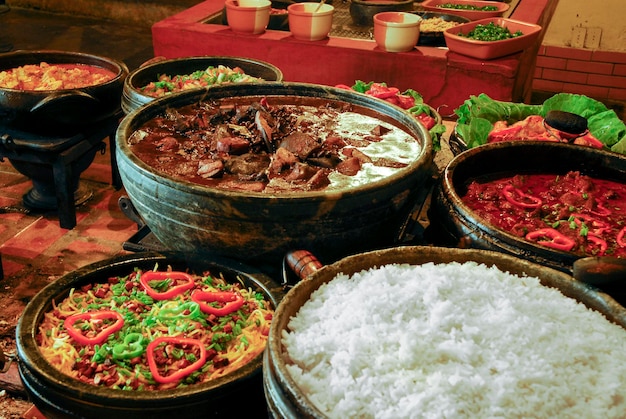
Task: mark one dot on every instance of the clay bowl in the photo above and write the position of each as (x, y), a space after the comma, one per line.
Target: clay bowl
(436, 38)
(60, 396)
(60, 111)
(309, 21)
(286, 399)
(456, 224)
(133, 98)
(362, 11)
(260, 226)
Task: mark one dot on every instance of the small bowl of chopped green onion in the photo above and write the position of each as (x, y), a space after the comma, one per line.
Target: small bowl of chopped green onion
(470, 9)
(491, 38)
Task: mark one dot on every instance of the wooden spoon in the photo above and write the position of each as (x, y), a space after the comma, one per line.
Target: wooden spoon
(318, 6)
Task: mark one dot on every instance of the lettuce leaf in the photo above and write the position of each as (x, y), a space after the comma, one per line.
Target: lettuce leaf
(476, 116)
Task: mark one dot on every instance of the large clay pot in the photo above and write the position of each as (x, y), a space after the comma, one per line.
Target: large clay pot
(60, 396)
(133, 98)
(60, 111)
(261, 226)
(455, 224)
(362, 11)
(286, 399)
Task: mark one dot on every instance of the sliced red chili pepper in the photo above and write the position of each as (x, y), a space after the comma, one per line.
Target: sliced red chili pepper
(179, 283)
(601, 210)
(593, 224)
(94, 319)
(550, 237)
(620, 237)
(232, 301)
(597, 241)
(520, 199)
(183, 343)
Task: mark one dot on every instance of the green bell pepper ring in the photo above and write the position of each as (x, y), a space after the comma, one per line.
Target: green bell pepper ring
(131, 348)
(187, 310)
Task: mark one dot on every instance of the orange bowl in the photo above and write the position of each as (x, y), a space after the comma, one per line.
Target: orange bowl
(435, 6)
(488, 50)
(309, 21)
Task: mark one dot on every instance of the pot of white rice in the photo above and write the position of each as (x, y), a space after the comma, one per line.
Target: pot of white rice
(427, 332)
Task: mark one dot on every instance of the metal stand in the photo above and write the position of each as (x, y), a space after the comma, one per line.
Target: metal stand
(61, 155)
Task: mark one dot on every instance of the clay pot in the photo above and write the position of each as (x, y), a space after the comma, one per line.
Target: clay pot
(133, 98)
(362, 11)
(60, 396)
(455, 224)
(64, 111)
(286, 399)
(189, 217)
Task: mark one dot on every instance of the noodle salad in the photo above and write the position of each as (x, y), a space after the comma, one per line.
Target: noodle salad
(155, 330)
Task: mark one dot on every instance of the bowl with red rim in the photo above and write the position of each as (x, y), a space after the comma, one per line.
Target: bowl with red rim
(458, 41)
(471, 9)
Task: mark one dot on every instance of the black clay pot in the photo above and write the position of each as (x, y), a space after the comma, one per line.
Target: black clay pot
(133, 98)
(258, 226)
(455, 224)
(286, 399)
(363, 11)
(59, 396)
(60, 111)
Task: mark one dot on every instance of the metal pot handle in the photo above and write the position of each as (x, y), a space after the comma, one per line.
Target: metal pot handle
(299, 264)
(56, 98)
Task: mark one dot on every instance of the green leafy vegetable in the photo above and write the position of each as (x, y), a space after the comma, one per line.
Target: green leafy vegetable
(476, 116)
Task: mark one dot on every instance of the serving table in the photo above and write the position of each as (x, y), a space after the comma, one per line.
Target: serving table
(444, 79)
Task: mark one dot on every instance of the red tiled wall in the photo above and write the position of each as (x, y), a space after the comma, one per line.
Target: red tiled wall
(597, 74)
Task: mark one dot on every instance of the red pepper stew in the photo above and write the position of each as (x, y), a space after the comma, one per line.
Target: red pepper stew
(572, 212)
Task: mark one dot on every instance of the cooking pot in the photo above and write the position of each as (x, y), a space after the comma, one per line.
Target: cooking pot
(133, 98)
(60, 396)
(60, 111)
(258, 226)
(286, 399)
(453, 223)
(362, 11)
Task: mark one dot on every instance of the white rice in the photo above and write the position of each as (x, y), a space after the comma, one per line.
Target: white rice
(454, 341)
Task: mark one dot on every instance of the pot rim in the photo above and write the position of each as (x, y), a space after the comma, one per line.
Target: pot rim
(148, 68)
(73, 58)
(31, 358)
(153, 108)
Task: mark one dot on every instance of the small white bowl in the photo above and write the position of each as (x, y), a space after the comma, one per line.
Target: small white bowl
(396, 31)
(307, 24)
(251, 19)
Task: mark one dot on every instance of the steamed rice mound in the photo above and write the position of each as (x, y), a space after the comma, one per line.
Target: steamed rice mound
(454, 341)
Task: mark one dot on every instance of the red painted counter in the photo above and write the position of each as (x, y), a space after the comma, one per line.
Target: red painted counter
(443, 78)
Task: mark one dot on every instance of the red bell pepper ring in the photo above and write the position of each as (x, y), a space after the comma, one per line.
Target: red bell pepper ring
(552, 238)
(94, 319)
(599, 242)
(232, 301)
(181, 373)
(179, 283)
(620, 237)
(517, 197)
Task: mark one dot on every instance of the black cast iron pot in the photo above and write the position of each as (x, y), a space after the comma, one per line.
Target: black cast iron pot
(60, 111)
(60, 396)
(133, 98)
(286, 399)
(454, 223)
(258, 226)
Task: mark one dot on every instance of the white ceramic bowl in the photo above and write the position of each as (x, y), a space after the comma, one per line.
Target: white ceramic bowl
(251, 19)
(396, 31)
(307, 24)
